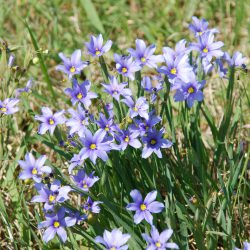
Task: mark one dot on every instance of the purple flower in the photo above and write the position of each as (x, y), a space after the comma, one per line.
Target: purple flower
(143, 126)
(144, 55)
(199, 27)
(237, 59)
(154, 142)
(109, 109)
(222, 71)
(159, 241)
(92, 206)
(94, 146)
(95, 46)
(126, 66)
(180, 49)
(115, 89)
(25, 89)
(126, 138)
(11, 60)
(56, 224)
(76, 160)
(77, 216)
(7, 107)
(81, 93)
(246, 246)
(54, 194)
(113, 240)
(207, 47)
(77, 122)
(84, 181)
(33, 168)
(153, 89)
(73, 65)
(106, 125)
(49, 120)
(190, 92)
(145, 207)
(139, 108)
(177, 67)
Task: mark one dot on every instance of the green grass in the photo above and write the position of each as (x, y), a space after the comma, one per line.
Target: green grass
(207, 155)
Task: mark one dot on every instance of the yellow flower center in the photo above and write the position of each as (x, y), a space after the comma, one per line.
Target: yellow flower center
(173, 71)
(124, 70)
(51, 198)
(79, 96)
(3, 109)
(98, 52)
(34, 171)
(129, 120)
(85, 186)
(190, 90)
(107, 128)
(126, 139)
(200, 33)
(72, 69)
(113, 248)
(93, 146)
(135, 109)
(143, 59)
(147, 127)
(115, 93)
(152, 142)
(158, 244)
(143, 207)
(205, 50)
(83, 122)
(51, 121)
(56, 224)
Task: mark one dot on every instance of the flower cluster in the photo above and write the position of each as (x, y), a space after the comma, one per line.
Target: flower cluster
(125, 121)
(143, 209)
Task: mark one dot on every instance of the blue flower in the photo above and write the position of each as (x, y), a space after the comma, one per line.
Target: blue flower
(33, 168)
(144, 55)
(80, 93)
(153, 142)
(8, 106)
(199, 27)
(49, 120)
(140, 107)
(92, 206)
(158, 241)
(56, 224)
(237, 60)
(94, 146)
(180, 49)
(95, 46)
(107, 124)
(126, 66)
(177, 67)
(190, 92)
(144, 208)
(154, 88)
(51, 196)
(126, 138)
(143, 125)
(73, 65)
(115, 89)
(113, 240)
(78, 121)
(84, 181)
(207, 47)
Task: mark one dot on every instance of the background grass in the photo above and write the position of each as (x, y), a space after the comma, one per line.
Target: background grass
(64, 26)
